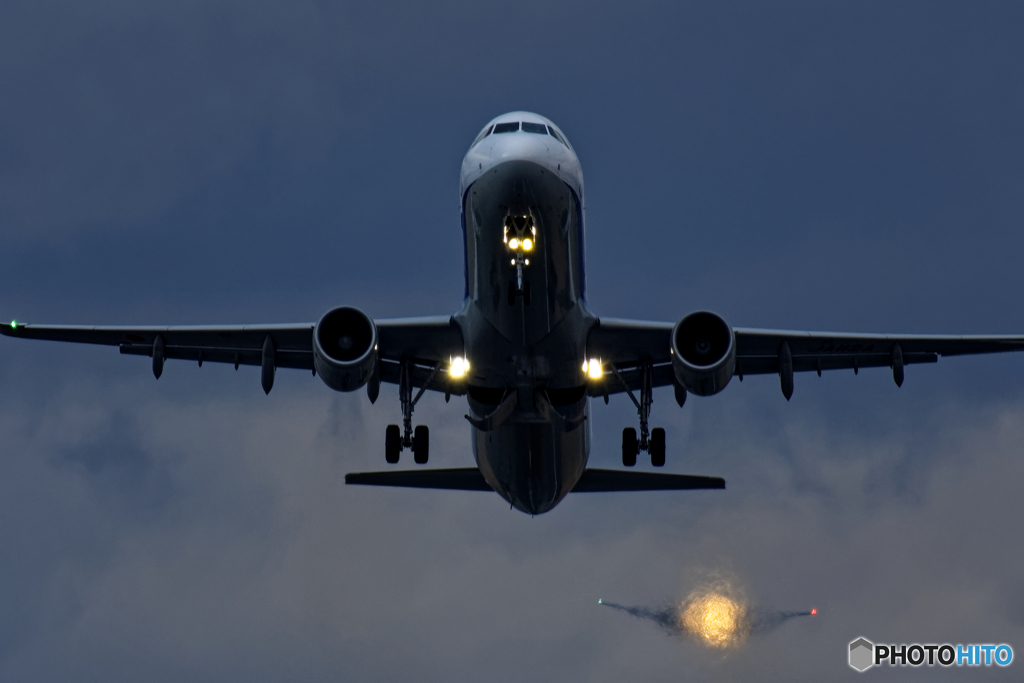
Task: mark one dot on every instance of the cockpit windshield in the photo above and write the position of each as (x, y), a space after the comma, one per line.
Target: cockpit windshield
(516, 126)
(555, 135)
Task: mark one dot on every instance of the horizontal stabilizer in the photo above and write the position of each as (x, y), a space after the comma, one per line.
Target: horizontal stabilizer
(594, 481)
(459, 479)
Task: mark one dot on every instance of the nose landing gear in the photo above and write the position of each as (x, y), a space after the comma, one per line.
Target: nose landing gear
(395, 441)
(652, 441)
(520, 238)
(516, 288)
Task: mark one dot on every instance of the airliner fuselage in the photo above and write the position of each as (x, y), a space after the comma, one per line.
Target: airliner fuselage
(525, 320)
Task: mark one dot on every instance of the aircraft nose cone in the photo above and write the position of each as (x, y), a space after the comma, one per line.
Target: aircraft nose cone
(516, 146)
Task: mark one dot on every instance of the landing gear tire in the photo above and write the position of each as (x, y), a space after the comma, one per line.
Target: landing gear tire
(657, 447)
(421, 445)
(511, 292)
(629, 447)
(526, 293)
(392, 444)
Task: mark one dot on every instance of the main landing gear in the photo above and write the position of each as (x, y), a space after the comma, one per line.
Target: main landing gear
(652, 441)
(419, 439)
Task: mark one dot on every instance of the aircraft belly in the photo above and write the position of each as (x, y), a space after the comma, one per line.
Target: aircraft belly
(532, 465)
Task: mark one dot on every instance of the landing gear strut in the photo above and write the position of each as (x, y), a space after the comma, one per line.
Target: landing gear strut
(396, 440)
(653, 440)
(520, 238)
(516, 288)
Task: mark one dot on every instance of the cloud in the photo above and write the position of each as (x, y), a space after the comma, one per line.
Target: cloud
(261, 162)
(258, 562)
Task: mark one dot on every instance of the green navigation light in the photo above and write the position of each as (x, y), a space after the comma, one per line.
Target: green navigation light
(14, 324)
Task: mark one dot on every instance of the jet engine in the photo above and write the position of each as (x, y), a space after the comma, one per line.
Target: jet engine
(703, 353)
(345, 348)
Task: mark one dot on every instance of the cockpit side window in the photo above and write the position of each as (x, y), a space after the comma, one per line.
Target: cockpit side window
(484, 133)
(555, 135)
(538, 128)
(510, 127)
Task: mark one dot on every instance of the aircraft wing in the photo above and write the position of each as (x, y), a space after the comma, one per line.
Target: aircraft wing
(427, 343)
(628, 344)
(757, 351)
(238, 344)
(424, 342)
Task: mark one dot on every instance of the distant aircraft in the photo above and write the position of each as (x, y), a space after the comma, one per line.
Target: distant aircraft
(525, 348)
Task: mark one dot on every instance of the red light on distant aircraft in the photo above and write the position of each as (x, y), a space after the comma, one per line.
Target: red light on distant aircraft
(813, 611)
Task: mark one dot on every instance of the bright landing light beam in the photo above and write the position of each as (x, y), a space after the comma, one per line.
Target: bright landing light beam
(458, 367)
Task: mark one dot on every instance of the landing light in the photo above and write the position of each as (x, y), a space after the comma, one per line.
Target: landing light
(513, 243)
(527, 244)
(592, 368)
(459, 367)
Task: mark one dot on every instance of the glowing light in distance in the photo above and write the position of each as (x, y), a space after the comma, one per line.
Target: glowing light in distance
(717, 620)
(814, 611)
(592, 369)
(459, 367)
(527, 244)
(513, 243)
(14, 324)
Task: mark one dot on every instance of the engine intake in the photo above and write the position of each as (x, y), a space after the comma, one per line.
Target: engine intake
(703, 353)
(345, 348)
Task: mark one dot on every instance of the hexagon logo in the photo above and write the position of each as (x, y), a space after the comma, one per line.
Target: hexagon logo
(862, 654)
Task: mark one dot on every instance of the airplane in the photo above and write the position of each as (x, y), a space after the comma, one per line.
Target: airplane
(524, 348)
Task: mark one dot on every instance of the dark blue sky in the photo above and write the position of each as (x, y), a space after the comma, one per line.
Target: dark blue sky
(797, 165)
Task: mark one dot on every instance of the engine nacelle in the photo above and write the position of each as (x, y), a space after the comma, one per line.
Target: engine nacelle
(703, 353)
(345, 348)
